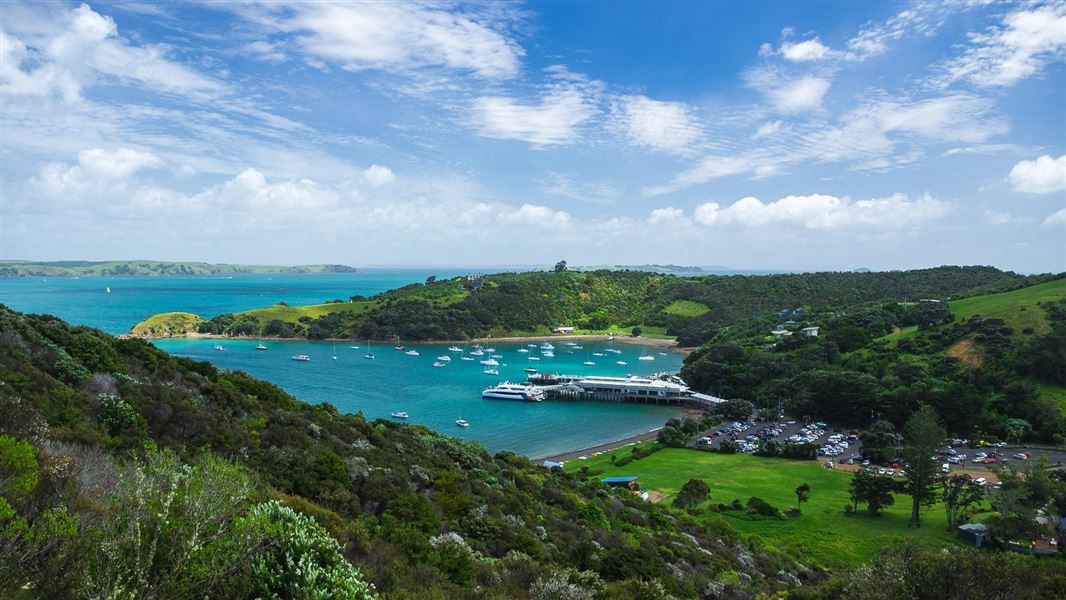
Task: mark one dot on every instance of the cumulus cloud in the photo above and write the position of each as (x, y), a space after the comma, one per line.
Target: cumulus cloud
(824, 212)
(665, 126)
(1027, 40)
(667, 216)
(393, 36)
(97, 169)
(1055, 219)
(1041, 176)
(378, 175)
(804, 51)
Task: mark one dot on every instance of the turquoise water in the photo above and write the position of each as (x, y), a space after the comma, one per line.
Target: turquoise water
(435, 397)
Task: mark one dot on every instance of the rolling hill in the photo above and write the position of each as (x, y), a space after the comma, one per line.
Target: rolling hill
(73, 268)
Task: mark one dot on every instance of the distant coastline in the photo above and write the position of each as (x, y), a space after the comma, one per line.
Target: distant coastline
(13, 269)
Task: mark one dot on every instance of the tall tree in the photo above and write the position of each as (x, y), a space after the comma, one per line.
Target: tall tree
(872, 489)
(922, 437)
(959, 494)
(879, 441)
(803, 494)
(691, 494)
(560, 266)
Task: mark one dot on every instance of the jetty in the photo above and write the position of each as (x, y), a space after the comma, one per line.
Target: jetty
(663, 389)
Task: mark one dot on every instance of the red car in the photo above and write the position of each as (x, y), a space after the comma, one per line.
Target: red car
(990, 461)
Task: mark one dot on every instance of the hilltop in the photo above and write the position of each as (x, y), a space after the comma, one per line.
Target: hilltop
(77, 268)
(690, 309)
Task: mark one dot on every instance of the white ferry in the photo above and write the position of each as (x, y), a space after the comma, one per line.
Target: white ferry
(513, 391)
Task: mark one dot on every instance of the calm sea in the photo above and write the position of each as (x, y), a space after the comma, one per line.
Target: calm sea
(435, 397)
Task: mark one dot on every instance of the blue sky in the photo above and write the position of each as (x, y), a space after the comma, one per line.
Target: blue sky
(771, 135)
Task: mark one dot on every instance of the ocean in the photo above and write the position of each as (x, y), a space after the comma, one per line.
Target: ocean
(434, 397)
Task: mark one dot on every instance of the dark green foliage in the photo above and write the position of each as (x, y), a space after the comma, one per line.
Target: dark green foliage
(873, 490)
(922, 437)
(692, 494)
(879, 442)
(761, 507)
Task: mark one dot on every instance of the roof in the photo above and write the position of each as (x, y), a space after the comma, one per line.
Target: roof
(552, 464)
(974, 527)
(618, 479)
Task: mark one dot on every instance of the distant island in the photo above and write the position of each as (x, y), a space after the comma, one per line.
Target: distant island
(120, 268)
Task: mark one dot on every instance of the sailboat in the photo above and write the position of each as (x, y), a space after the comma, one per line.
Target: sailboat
(588, 361)
(369, 353)
(644, 354)
(108, 290)
(334, 351)
(464, 356)
(260, 346)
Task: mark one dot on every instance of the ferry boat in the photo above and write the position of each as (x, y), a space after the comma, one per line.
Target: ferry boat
(411, 353)
(301, 357)
(462, 423)
(439, 364)
(444, 358)
(491, 372)
(219, 348)
(454, 349)
(399, 415)
(513, 391)
(491, 362)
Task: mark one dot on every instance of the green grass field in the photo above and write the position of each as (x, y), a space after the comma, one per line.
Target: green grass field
(1056, 393)
(171, 323)
(824, 534)
(686, 308)
(292, 314)
(1020, 309)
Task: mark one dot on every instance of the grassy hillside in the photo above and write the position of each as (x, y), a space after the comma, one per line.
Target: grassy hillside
(824, 534)
(168, 324)
(16, 268)
(692, 309)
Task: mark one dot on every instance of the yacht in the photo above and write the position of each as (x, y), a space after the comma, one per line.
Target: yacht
(531, 345)
(462, 423)
(496, 355)
(439, 364)
(589, 363)
(534, 358)
(491, 372)
(477, 352)
(529, 370)
(219, 347)
(301, 357)
(369, 354)
(622, 362)
(613, 350)
(662, 354)
(491, 362)
(464, 357)
(610, 337)
(444, 358)
(411, 353)
(108, 290)
(334, 351)
(547, 346)
(260, 346)
(513, 391)
(399, 415)
(490, 351)
(597, 354)
(523, 351)
(454, 349)
(548, 354)
(644, 354)
(571, 344)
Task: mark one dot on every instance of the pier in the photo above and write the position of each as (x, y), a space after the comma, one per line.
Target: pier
(661, 390)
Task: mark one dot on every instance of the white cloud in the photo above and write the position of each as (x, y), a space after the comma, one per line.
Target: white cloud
(665, 126)
(708, 169)
(97, 170)
(824, 212)
(789, 94)
(806, 50)
(923, 18)
(1057, 218)
(266, 51)
(378, 175)
(768, 129)
(568, 186)
(1041, 176)
(1027, 40)
(392, 36)
(536, 216)
(993, 217)
(552, 120)
(667, 216)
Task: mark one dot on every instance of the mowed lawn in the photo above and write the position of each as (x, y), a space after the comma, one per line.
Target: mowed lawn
(823, 535)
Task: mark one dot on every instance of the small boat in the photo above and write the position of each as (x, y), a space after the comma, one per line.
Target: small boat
(467, 358)
(454, 349)
(548, 354)
(597, 354)
(529, 370)
(490, 351)
(531, 345)
(621, 362)
(491, 372)
(439, 364)
(589, 363)
(444, 358)
(523, 351)
(301, 357)
(496, 355)
(399, 415)
(662, 354)
(108, 290)
(411, 353)
(462, 423)
(477, 353)
(610, 337)
(490, 362)
(369, 354)
(219, 347)
(334, 351)
(534, 358)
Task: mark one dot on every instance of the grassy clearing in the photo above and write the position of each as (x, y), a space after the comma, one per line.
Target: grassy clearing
(1057, 393)
(292, 314)
(1019, 309)
(686, 308)
(822, 535)
(171, 323)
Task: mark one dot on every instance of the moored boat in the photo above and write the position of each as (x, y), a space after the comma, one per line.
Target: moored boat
(301, 357)
(399, 415)
(513, 391)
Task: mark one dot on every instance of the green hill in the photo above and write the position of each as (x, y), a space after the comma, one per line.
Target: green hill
(73, 268)
(168, 324)
(692, 309)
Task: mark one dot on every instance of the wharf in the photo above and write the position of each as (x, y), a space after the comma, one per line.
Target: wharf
(662, 389)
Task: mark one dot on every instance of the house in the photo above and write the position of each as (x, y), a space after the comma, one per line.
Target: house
(563, 329)
(627, 482)
(810, 331)
(973, 533)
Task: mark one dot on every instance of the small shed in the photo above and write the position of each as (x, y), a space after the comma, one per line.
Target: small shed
(973, 533)
(628, 482)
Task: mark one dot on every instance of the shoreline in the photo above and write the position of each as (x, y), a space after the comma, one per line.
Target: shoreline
(626, 339)
(607, 446)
